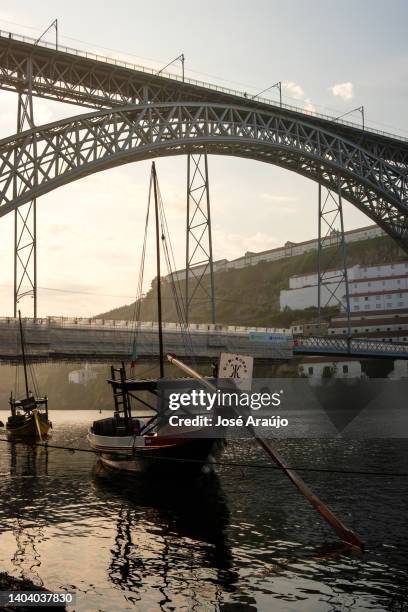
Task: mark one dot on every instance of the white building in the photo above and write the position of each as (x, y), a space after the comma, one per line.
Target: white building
(384, 325)
(83, 376)
(400, 370)
(289, 249)
(180, 275)
(380, 287)
(317, 368)
(306, 297)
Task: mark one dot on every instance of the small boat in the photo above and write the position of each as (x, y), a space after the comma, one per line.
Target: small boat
(146, 443)
(29, 415)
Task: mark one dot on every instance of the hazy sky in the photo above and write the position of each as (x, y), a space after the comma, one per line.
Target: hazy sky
(333, 56)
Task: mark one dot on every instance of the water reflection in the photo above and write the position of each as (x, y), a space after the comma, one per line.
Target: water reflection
(166, 534)
(243, 540)
(28, 460)
(32, 462)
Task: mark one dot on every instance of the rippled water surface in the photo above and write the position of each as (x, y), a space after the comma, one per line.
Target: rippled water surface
(240, 539)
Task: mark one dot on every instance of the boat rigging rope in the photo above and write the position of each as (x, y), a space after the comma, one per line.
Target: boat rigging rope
(33, 379)
(16, 381)
(32, 376)
(175, 287)
(237, 464)
(138, 302)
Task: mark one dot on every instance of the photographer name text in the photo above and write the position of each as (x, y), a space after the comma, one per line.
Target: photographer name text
(219, 400)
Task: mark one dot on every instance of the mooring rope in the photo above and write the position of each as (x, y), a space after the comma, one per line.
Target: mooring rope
(236, 464)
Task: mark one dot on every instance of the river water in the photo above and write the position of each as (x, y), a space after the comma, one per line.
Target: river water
(241, 539)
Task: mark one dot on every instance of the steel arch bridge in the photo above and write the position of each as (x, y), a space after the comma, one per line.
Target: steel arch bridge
(138, 114)
(89, 80)
(53, 155)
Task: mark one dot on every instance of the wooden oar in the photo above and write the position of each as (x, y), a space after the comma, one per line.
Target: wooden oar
(346, 535)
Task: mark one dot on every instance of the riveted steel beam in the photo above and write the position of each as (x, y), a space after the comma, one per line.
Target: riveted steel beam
(25, 217)
(199, 282)
(85, 79)
(69, 149)
(332, 275)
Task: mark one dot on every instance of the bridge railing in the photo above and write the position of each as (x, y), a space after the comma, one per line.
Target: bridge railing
(198, 83)
(339, 344)
(81, 322)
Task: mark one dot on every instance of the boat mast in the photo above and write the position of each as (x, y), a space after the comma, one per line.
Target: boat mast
(23, 354)
(159, 299)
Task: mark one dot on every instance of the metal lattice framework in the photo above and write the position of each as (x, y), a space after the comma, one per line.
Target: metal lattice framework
(76, 147)
(85, 79)
(199, 256)
(358, 347)
(332, 277)
(25, 217)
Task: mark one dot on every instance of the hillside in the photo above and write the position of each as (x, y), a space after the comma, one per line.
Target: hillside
(250, 296)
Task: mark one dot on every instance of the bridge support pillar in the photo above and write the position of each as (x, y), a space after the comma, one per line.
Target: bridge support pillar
(332, 274)
(25, 221)
(199, 281)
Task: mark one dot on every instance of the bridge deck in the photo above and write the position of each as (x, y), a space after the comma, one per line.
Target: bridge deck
(89, 79)
(59, 339)
(54, 339)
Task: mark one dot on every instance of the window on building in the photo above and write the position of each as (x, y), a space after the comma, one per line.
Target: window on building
(345, 369)
(369, 284)
(389, 305)
(378, 305)
(366, 298)
(356, 308)
(378, 297)
(400, 303)
(310, 370)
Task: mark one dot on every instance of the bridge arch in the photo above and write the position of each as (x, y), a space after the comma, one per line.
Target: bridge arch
(39, 160)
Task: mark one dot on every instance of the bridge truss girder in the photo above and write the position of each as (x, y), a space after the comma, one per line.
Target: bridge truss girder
(68, 77)
(199, 254)
(332, 274)
(72, 148)
(25, 217)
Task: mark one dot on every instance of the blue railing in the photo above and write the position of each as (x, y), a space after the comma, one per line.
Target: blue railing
(325, 345)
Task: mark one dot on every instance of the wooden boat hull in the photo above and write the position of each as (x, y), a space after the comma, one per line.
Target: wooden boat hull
(159, 456)
(28, 427)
